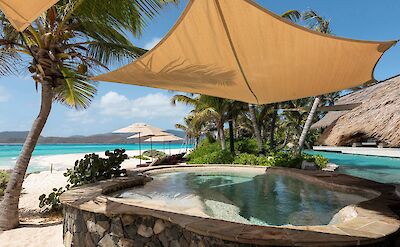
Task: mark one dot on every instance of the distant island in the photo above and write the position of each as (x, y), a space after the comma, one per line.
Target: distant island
(17, 137)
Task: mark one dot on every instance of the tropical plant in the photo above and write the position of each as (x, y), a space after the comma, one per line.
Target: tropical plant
(4, 177)
(92, 168)
(154, 154)
(62, 48)
(211, 111)
(51, 202)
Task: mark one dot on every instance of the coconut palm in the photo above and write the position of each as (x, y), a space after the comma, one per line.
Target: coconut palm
(62, 48)
(192, 128)
(322, 25)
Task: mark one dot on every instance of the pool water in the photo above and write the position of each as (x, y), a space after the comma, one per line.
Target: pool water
(380, 169)
(254, 199)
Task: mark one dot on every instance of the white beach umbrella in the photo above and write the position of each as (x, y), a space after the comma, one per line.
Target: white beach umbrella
(165, 138)
(142, 130)
(149, 135)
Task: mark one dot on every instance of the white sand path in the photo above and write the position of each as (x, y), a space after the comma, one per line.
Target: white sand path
(33, 234)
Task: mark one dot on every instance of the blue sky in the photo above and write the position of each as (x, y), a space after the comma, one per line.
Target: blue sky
(117, 105)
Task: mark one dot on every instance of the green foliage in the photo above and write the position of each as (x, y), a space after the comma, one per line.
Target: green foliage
(319, 160)
(287, 159)
(141, 157)
(216, 157)
(254, 160)
(51, 203)
(246, 146)
(204, 148)
(93, 168)
(154, 153)
(4, 177)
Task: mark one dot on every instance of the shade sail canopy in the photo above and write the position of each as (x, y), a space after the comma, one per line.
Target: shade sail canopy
(235, 49)
(22, 12)
(142, 128)
(166, 138)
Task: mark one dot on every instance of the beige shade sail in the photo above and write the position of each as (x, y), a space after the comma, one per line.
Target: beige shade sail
(22, 12)
(235, 49)
(142, 128)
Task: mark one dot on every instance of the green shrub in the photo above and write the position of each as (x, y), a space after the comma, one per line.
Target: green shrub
(4, 177)
(204, 148)
(141, 157)
(254, 160)
(51, 203)
(216, 157)
(319, 160)
(248, 146)
(154, 154)
(287, 159)
(93, 168)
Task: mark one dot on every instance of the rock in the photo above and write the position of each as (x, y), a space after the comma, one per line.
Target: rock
(127, 219)
(107, 241)
(159, 226)
(100, 227)
(163, 239)
(89, 241)
(174, 243)
(305, 165)
(330, 167)
(145, 231)
(124, 242)
(345, 214)
(116, 228)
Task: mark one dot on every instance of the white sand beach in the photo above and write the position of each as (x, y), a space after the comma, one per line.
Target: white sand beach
(34, 233)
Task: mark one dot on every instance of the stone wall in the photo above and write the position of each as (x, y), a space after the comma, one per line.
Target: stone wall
(86, 229)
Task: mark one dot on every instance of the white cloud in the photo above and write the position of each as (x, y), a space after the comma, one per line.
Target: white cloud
(83, 116)
(149, 45)
(152, 106)
(4, 95)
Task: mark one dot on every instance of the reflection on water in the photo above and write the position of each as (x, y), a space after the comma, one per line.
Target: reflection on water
(259, 199)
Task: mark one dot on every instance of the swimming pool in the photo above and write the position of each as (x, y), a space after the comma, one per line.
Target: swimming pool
(259, 199)
(380, 169)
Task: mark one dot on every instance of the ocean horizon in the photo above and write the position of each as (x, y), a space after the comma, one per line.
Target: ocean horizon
(10, 152)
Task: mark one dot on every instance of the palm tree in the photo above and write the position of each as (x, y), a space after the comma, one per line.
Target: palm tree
(65, 45)
(191, 127)
(322, 25)
(212, 110)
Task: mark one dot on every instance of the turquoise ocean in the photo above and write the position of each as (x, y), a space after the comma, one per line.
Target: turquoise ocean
(10, 152)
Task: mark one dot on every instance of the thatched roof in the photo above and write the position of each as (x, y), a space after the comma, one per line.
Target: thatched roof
(377, 117)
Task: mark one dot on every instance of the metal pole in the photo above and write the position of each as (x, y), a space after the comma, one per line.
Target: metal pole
(140, 152)
(151, 148)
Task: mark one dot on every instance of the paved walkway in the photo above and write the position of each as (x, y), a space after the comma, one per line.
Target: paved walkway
(384, 152)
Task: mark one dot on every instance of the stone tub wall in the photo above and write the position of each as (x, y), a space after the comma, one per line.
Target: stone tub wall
(82, 228)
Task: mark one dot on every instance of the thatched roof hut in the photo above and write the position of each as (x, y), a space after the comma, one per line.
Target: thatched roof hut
(377, 117)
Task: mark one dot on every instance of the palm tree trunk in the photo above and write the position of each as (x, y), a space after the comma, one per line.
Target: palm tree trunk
(9, 215)
(231, 137)
(307, 125)
(257, 133)
(221, 135)
(273, 126)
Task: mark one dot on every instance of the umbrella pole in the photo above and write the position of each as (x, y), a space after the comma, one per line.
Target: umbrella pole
(169, 146)
(151, 147)
(140, 152)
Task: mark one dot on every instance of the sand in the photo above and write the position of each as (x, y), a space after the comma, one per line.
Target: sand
(34, 234)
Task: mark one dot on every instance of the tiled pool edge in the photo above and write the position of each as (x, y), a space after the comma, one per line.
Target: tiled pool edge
(93, 218)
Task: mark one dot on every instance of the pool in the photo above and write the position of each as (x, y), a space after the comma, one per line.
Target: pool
(380, 169)
(252, 198)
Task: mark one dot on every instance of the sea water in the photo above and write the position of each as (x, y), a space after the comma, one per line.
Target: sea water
(9, 152)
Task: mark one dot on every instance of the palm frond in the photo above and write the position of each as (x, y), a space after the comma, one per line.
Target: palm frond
(292, 15)
(77, 91)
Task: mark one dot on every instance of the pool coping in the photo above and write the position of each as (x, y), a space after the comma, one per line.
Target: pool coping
(374, 222)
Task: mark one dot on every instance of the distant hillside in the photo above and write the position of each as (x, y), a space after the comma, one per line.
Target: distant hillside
(108, 138)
